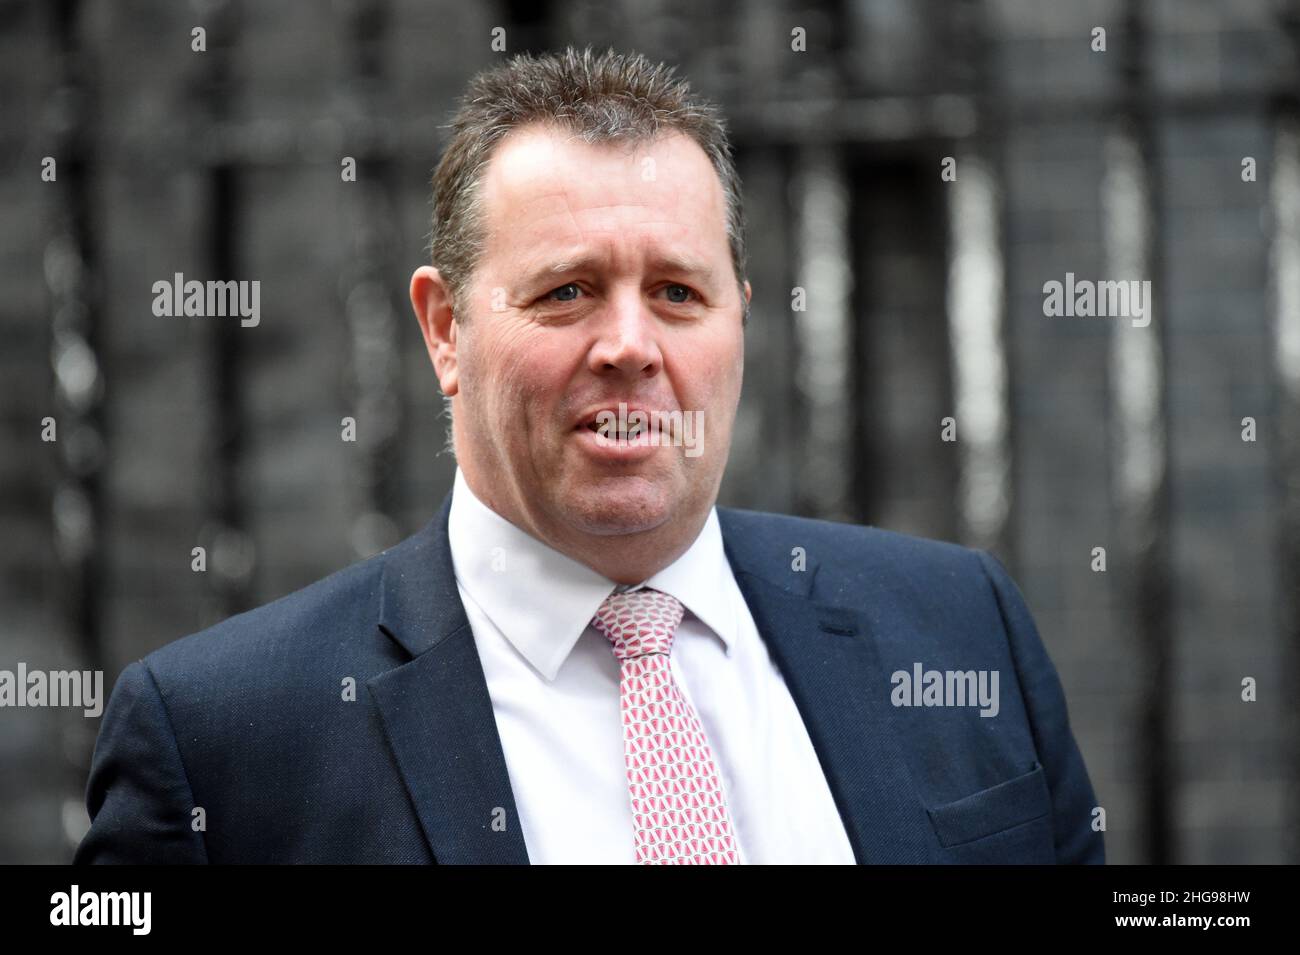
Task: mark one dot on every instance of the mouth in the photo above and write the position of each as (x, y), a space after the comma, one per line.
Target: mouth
(612, 434)
(616, 426)
(606, 436)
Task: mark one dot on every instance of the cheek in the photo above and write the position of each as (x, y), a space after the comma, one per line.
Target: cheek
(713, 373)
(525, 374)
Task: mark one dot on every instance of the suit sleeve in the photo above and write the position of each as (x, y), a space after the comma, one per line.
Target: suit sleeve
(138, 794)
(1067, 778)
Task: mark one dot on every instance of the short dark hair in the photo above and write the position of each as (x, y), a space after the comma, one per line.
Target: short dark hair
(605, 98)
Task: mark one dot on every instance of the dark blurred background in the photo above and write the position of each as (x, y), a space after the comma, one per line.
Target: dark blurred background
(924, 300)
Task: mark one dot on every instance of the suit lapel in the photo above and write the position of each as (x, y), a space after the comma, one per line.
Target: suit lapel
(831, 665)
(436, 712)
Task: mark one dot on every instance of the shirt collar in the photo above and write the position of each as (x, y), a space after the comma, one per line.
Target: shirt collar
(542, 600)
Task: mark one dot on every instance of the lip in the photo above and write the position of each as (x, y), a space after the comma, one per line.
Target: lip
(612, 450)
(589, 416)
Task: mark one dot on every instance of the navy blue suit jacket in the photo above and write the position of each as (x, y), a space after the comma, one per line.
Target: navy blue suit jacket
(248, 722)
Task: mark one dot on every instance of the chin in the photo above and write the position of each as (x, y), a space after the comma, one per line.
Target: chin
(619, 505)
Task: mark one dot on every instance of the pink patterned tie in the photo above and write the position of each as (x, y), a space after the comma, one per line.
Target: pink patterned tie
(678, 805)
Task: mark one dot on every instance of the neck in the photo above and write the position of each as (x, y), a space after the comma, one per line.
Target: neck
(623, 558)
(632, 558)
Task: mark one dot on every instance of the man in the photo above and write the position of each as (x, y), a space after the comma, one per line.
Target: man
(581, 658)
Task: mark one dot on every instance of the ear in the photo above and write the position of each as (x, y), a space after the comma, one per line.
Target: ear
(431, 299)
(749, 292)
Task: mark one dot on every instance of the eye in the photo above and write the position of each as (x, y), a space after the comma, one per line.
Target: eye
(675, 288)
(569, 285)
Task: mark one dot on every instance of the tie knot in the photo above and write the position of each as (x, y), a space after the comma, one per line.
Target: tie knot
(638, 622)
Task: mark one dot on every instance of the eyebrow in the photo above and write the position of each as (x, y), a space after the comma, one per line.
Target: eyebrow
(660, 263)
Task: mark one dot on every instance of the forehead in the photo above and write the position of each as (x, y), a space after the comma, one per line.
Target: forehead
(546, 188)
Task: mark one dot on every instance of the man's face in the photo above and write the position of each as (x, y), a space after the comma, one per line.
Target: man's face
(606, 277)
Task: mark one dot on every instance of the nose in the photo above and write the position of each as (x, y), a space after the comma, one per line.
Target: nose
(627, 344)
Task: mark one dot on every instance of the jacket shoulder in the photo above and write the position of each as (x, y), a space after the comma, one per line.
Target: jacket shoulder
(295, 627)
(842, 553)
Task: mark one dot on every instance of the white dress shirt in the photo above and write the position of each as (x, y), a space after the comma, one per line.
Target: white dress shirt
(554, 684)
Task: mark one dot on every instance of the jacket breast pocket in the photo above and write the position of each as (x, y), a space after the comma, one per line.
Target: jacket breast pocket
(1007, 823)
